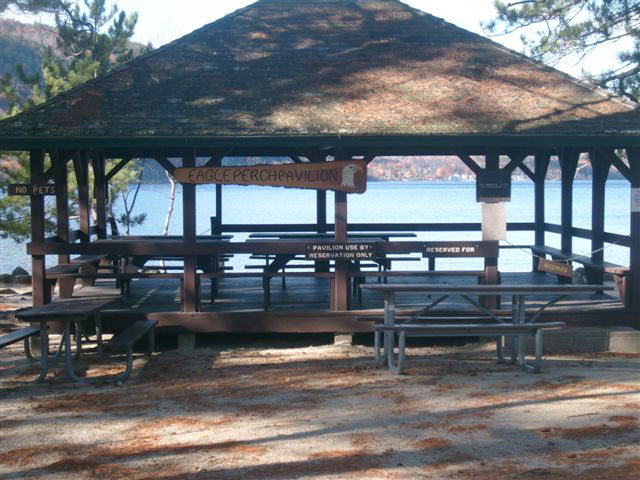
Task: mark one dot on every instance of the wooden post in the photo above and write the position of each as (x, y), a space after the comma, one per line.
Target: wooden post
(321, 224)
(633, 289)
(600, 165)
(492, 163)
(40, 290)
(62, 202)
(321, 211)
(81, 168)
(100, 190)
(341, 279)
(568, 165)
(190, 293)
(219, 207)
(539, 177)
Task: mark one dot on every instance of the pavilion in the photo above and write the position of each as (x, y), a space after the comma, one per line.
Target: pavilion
(320, 80)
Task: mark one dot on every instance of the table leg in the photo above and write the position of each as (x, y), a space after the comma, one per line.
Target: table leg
(513, 339)
(389, 319)
(521, 338)
(68, 362)
(44, 352)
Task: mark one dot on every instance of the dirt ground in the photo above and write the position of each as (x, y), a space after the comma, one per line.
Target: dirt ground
(319, 412)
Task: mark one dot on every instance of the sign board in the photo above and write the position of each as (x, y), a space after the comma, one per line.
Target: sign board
(31, 189)
(635, 200)
(340, 251)
(342, 176)
(557, 268)
(488, 249)
(493, 186)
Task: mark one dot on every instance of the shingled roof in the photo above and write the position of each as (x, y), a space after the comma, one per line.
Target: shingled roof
(349, 68)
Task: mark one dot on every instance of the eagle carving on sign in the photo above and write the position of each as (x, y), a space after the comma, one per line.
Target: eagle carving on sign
(348, 173)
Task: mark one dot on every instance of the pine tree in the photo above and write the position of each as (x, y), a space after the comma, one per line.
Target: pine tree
(91, 40)
(556, 29)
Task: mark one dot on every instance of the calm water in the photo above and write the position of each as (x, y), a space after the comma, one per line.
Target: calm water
(383, 202)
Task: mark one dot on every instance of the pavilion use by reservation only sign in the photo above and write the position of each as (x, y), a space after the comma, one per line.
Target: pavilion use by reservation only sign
(342, 176)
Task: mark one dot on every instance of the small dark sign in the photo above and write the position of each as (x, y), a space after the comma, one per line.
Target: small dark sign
(492, 186)
(557, 268)
(340, 251)
(31, 189)
(486, 249)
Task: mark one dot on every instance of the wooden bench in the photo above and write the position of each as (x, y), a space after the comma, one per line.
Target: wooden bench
(63, 274)
(462, 330)
(619, 272)
(23, 334)
(124, 342)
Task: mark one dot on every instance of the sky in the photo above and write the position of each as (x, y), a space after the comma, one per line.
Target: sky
(161, 21)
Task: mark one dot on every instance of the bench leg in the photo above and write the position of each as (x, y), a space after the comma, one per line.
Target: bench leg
(44, 352)
(65, 287)
(379, 359)
(399, 366)
(68, 362)
(152, 341)
(538, 363)
(500, 350)
(27, 350)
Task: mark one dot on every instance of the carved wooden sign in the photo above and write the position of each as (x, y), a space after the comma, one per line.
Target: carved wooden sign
(342, 176)
(557, 268)
(492, 186)
(340, 251)
(31, 189)
(486, 249)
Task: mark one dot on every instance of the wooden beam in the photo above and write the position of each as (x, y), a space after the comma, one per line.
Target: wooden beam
(568, 166)
(165, 163)
(541, 168)
(119, 166)
(81, 168)
(470, 162)
(600, 165)
(341, 279)
(40, 293)
(619, 164)
(190, 289)
(633, 289)
(59, 160)
(62, 204)
(516, 161)
(100, 191)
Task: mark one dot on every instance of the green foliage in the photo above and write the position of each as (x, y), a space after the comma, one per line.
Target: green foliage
(560, 28)
(90, 41)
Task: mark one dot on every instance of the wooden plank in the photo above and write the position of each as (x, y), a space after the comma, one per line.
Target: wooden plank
(126, 339)
(18, 335)
(165, 163)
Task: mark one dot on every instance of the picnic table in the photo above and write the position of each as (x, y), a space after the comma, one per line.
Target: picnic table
(517, 327)
(78, 310)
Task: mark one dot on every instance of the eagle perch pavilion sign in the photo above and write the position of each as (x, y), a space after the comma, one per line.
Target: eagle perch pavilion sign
(342, 176)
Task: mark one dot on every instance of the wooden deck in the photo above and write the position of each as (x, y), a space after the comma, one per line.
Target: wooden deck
(303, 305)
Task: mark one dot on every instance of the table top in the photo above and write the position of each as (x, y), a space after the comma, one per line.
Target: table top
(557, 289)
(171, 238)
(62, 309)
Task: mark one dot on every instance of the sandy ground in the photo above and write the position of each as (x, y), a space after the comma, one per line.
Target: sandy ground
(323, 412)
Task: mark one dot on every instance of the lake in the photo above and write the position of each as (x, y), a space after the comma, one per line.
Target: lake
(418, 202)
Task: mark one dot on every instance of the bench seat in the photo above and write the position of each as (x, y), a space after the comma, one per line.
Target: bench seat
(125, 340)
(497, 330)
(18, 335)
